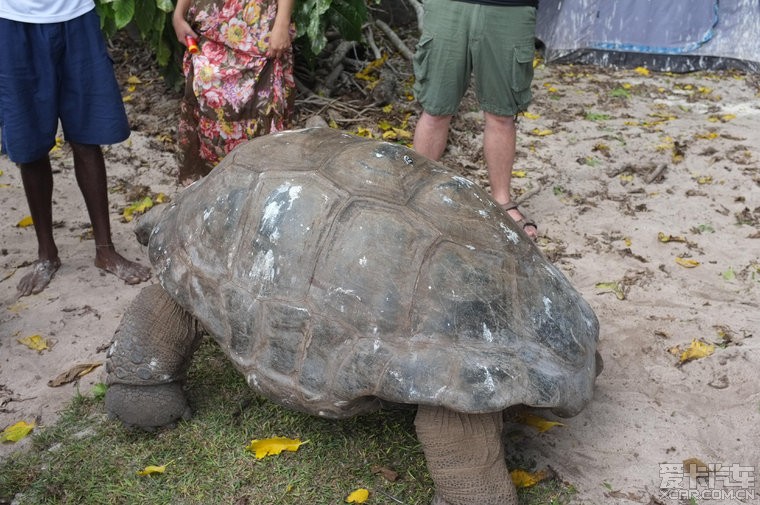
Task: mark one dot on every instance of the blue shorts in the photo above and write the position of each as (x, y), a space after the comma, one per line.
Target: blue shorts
(57, 71)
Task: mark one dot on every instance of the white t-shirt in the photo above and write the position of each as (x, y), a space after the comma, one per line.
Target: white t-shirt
(44, 11)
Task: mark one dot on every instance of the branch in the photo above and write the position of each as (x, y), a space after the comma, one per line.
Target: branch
(395, 39)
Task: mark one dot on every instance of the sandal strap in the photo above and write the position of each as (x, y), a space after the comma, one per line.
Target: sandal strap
(525, 221)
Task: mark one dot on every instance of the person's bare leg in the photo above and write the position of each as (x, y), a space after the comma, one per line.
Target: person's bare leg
(90, 170)
(37, 178)
(431, 134)
(499, 146)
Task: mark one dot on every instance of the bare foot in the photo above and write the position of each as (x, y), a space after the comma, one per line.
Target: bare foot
(38, 278)
(130, 272)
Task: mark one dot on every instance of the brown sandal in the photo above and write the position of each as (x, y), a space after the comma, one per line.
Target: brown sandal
(524, 222)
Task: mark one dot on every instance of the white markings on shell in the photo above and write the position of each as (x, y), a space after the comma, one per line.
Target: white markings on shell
(511, 235)
(488, 382)
(447, 200)
(363, 261)
(263, 268)
(487, 335)
(273, 209)
(548, 307)
(463, 181)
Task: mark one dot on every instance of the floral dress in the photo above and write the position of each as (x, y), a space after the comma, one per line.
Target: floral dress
(233, 92)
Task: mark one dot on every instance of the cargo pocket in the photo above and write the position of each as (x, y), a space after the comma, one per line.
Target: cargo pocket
(522, 74)
(421, 60)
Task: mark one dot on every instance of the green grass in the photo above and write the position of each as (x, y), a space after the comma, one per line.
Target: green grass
(87, 459)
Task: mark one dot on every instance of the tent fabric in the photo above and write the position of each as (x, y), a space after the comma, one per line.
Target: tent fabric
(677, 35)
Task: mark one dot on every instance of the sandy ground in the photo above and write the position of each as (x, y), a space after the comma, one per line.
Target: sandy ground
(608, 161)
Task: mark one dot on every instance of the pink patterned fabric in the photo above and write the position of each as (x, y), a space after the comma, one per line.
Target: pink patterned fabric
(233, 92)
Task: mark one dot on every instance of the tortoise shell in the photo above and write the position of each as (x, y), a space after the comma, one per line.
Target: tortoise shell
(339, 272)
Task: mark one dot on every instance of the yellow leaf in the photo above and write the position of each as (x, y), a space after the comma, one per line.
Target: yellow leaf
(273, 446)
(161, 198)
(388, 108)
(613, 287)
(537, 422)
(26, 221)
(358, 496)
(523, 479)
(137, 208)
(127, 98)
(72, 374)
(132, 79)
(384, 125)
(364, 132)
(708, 135)
(697, 350)
(151, 469)
(529, 115)
(332, 124)
(402, 134)
(669, 238)
(641, 70)
(389, 135)
(519, 173)
(687, 262)
(704, 179)
(16, 432)
(34, 342)
(541, 133)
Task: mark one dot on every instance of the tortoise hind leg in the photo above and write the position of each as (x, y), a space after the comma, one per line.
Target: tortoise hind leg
(148, 360)
(465, 457)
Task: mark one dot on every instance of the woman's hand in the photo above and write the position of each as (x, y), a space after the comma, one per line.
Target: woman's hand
(181, 27)
(279, 40)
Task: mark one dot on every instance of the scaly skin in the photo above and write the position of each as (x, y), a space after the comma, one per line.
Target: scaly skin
(465, 457)
(148, 360)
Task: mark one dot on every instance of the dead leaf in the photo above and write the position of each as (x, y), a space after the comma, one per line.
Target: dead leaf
(695, 468)
(641, 70)
(16, 432)
(26, 221)
(523, 479)
(273, 446)
(696, 350)
(687, 262)
(669, 238)
(73, 374)
(138, 207)
(358, 496)
(385, 472)
(612, 287)
(151, 469)
(34, 342)
(537, 422)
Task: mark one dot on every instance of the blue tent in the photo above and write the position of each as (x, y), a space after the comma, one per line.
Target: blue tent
(672, 35)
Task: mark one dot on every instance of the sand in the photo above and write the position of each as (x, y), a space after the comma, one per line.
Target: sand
(624, 172)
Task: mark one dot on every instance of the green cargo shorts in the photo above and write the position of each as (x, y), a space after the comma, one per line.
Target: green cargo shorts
(493, 43)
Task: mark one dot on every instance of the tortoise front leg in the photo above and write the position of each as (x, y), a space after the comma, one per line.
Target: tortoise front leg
(148, 360)
(465, 457)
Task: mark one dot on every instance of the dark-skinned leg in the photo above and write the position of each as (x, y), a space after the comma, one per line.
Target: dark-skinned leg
(37, 178)
(90, 170)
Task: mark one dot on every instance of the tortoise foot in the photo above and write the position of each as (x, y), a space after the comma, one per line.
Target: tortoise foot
(147, 407)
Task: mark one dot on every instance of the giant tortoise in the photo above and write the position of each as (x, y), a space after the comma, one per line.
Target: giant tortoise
(340, 274)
